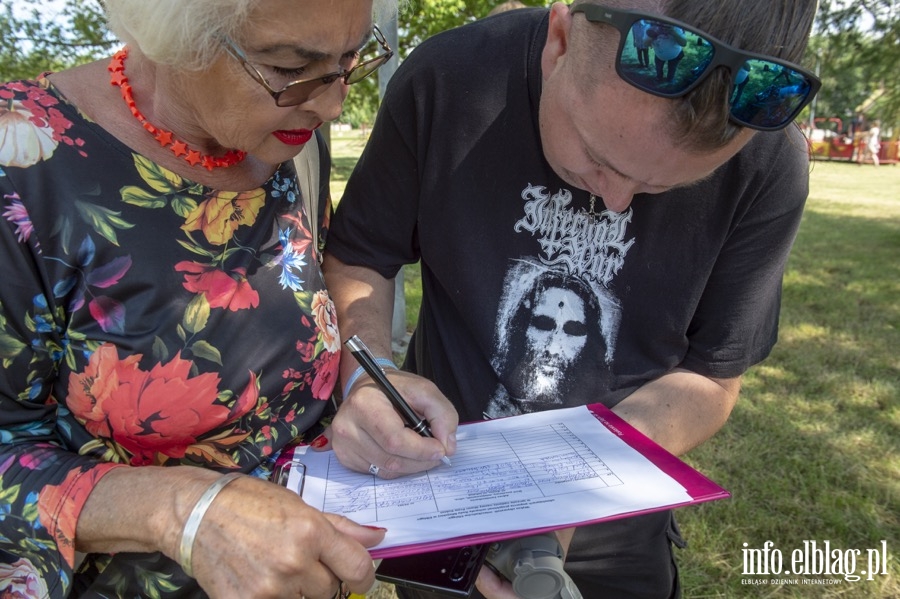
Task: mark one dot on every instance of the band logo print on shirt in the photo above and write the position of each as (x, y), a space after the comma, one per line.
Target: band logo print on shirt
(590, 247)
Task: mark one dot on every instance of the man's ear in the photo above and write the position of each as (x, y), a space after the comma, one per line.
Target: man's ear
(557, 38)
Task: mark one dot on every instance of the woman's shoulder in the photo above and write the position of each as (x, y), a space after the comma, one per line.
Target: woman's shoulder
(86, 89)
(25, 92)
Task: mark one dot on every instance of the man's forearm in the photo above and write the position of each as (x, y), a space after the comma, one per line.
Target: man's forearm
(364, 301)
(681, 409)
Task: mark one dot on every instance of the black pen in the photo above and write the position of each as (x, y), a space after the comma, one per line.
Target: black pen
(367, 361)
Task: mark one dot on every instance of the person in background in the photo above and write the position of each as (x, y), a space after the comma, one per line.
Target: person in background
(873, 143)
(164, 326)
(668, 43)
(666, 209)
(740, 82)
(641, 43)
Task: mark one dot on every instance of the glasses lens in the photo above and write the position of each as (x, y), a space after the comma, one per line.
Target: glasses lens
(768, 95)
(364, 69)
(298, 93)
(663, 59)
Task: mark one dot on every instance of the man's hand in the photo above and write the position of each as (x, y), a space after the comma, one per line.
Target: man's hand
(368, 431)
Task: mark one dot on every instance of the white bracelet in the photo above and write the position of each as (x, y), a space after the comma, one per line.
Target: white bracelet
(192, 525)
(383, 362)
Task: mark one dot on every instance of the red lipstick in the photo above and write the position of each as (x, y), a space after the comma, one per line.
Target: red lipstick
(294, 137)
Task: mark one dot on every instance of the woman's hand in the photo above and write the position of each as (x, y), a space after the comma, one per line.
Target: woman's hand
(259, 540)
(256, 540)
(368, 431)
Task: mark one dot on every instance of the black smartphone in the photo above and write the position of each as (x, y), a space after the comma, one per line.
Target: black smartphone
(449, 571)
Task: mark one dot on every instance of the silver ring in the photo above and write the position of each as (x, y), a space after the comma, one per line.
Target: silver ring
(373, 469)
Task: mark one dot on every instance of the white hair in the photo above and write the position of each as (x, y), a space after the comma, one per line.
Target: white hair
(187, 33)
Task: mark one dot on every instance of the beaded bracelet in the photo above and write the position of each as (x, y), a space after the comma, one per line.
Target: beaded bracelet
(192, 525)
(383, 362)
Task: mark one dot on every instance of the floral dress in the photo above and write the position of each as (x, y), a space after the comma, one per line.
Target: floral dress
(144, 320)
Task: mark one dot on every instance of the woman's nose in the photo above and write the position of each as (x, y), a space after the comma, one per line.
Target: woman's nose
(329, 104)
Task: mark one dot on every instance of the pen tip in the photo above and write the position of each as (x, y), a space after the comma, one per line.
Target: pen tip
(446, 461)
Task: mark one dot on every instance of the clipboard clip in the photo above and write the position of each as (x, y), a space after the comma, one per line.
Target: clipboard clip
(282, 473)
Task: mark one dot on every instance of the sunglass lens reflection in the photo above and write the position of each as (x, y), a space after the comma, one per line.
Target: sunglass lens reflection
(662, 58)
(767, 94)
(666, 60)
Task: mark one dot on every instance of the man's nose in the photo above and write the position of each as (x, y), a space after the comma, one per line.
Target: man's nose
(616, 193)
(617, 203)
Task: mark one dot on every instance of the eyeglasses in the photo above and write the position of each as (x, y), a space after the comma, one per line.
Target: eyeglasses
(766, 93)
(302, 90)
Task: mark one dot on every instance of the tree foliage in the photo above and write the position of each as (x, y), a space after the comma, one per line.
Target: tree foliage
(857, 45)
(420, 19)
(34, 39)
(417, 21)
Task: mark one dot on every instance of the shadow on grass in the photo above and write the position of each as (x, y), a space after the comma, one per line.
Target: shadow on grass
(812, 451)
(342, 166)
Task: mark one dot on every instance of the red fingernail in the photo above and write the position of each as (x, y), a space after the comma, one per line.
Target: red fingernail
(374, 527)
(319, 442)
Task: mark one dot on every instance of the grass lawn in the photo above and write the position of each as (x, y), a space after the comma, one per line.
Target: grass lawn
(812, 451)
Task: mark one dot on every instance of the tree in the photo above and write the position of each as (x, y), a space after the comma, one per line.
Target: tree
(418, 20)
(844, 83)
(33, 40)
(858, 48)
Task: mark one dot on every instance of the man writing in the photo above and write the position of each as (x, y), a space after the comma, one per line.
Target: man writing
(526, 146)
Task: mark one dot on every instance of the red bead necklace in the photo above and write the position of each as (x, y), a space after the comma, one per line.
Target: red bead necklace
(166, 138)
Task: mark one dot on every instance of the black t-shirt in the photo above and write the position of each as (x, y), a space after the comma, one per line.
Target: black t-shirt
(529, 302)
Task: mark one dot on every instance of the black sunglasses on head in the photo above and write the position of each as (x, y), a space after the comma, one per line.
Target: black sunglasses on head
(767, 93)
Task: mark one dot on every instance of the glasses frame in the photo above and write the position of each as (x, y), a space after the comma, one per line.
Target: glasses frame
(324, 80)
(724, 55)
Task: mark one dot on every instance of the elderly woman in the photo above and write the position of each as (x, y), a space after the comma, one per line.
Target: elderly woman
(164, 327)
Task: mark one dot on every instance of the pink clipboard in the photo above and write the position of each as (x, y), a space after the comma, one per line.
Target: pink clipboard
(700, 488)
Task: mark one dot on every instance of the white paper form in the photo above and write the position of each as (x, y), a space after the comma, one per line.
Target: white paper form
(546, 469)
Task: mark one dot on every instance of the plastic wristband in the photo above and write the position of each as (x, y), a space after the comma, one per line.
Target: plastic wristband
(383, 362)
(192, 525)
